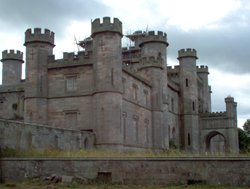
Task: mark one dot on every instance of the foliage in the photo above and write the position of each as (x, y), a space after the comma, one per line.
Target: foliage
(246, 126)
(244, 141)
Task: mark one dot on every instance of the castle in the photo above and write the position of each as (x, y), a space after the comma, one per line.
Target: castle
(124, 98)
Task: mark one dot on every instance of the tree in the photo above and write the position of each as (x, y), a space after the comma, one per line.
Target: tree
(246, 126)
(244, 141)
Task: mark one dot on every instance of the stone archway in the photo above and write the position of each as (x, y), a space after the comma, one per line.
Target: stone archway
(216, 143)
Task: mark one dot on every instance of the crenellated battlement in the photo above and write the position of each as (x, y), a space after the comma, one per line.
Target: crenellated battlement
(106, 25)
(202, 69)
(229, 99)
(38, 36)
(153, 36)
(12, 55)
(214, 114)
(187, 53)
(70, 59)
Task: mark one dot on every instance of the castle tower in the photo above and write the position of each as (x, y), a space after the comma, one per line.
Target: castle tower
(153, 50)
(231, 110)
(154, 44)
(189, 99)
(108, 82)
(205, 100)
(12, 67)
(38, 47)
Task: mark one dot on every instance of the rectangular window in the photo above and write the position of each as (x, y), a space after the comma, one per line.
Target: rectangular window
(145, 97)
(146, 121)
(124, 117)
(123, 84)
(193, 106)
(71, 83)
(135, 125)
(172, 104)
(135, 88)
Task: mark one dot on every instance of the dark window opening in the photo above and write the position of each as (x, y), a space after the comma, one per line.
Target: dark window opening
(193, 106)
(189, 141)
(186, 82)
(104, 177)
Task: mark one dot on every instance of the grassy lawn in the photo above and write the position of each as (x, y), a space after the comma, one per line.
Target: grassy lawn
(37, 184)
(8, 152)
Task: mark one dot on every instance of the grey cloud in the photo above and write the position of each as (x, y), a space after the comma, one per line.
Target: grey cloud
(225, 49)
(52, 14)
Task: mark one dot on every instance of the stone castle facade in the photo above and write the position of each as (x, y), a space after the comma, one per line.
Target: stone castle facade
(124, 98)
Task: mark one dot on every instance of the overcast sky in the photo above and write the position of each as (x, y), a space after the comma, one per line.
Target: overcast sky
(218, 29)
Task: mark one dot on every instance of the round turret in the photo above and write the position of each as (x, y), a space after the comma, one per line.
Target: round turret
(12, 67)
(183, 53)
(106, 26)
(38, 36)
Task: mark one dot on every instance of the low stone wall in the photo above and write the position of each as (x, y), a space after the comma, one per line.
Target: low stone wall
(226, 171)
(23, 136)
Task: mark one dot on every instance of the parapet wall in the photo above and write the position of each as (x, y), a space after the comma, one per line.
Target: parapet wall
(202, 69)
(106, 25)
(152, 171)
(38, 36)
(71, 59)
(12, 55)
(23, 136)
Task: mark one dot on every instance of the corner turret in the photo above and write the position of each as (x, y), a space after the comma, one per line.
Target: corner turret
(12, 67)
(39, 46)
(189, 98)
(231, 108)
(107, 53)
(12, 55)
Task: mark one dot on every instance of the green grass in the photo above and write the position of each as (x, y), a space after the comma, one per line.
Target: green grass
(37, 184)
(8, 152)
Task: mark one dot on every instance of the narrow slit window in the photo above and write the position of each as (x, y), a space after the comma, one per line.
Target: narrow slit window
(193, 106)
(186, 82)
(189, 140)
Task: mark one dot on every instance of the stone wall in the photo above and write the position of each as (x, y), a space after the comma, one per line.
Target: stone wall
(218, 171)
(11, 102)
(137, 117)
(22, 136)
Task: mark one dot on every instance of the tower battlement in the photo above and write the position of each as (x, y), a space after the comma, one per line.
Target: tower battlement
(229, 99)
(153, 36)
(38, 36)
(106, 25)
(187, 53)
(12, 55)
(202, 69)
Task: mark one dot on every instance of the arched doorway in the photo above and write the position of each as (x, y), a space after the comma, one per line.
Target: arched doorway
(215, 143)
